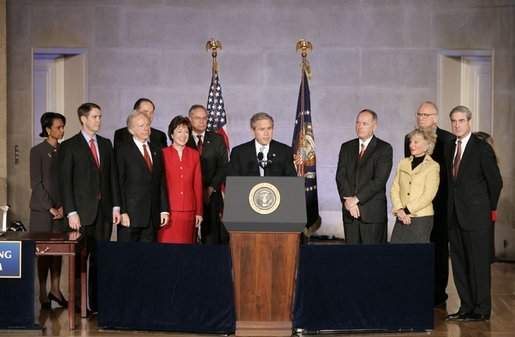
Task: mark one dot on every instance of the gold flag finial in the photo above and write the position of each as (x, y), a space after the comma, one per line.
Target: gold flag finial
(304, 46)
(213, 45)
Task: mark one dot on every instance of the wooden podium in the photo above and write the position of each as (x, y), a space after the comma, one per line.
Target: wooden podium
(264, 216)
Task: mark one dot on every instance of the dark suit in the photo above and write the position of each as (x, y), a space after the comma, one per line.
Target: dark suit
(89, 191)
(143, 193)
(439, 233)
(366, 179)
(472, 196)
(123, 135)
(214, 160)
(244, 160)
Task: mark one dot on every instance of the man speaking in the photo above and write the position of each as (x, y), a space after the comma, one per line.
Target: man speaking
(262, 156)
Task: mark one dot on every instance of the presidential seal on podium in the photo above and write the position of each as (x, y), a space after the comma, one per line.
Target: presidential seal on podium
(264, 198)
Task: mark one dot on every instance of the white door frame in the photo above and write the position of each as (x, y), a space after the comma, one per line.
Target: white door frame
(466, 87)
(49, 83)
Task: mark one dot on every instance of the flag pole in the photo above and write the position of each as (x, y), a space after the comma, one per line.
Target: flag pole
(303, 45)
(213, 45)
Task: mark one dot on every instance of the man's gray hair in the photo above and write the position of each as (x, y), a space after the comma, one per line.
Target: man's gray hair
(462, 108)
(132, 116)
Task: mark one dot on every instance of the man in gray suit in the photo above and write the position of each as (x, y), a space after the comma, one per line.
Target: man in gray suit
(364, 165)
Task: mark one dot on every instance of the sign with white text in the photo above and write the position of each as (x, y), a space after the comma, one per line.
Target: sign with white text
(10, 259)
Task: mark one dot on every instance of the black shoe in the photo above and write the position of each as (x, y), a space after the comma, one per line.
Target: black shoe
(457, 316)
(476, 318)
(62, 302)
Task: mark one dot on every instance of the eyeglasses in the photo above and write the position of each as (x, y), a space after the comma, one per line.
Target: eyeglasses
(419, 115)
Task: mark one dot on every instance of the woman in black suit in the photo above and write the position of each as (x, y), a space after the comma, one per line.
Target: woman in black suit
(46, 212)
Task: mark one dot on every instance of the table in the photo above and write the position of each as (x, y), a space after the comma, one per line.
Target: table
(61, 244)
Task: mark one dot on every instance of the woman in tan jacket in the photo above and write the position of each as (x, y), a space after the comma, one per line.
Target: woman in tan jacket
(413, 189)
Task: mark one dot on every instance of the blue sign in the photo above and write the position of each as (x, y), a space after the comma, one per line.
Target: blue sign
(10, 259)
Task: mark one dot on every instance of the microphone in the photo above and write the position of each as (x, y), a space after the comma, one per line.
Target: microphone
(262, 162)
(260, 157)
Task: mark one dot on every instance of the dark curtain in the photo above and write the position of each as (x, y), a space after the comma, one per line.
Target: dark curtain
(365, 287)
(168, 287)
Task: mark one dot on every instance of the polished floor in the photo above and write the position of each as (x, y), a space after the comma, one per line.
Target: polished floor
(53, 322)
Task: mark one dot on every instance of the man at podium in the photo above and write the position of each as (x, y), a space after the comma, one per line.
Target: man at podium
(262, 156)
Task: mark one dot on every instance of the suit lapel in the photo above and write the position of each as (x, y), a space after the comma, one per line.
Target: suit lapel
(141, 159)
(368, 151)
(85, 145)
(102, 149)
(155, 160)
(251, 150)
(191, 142)
(465, 156)
(272, 150)
(450, 162)
(208, 138)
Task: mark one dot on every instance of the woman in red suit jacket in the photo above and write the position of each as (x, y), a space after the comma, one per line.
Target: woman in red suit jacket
(184, 182)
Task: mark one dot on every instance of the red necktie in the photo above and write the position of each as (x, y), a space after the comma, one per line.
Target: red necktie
(147, 157)
(94, 151)
(199, 144)
(457, 161)
(362, 151)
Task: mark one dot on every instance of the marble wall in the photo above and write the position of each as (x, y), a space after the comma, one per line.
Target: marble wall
(367, 53)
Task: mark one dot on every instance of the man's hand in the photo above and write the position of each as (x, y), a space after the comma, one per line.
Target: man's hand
(164, 219)
(126, 221)
(57, 213)
(116, 217)
(206, 194)
(74, 222)
(354, 211)
(350, 202)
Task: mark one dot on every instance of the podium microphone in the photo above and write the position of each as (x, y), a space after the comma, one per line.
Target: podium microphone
(260, 157)
(262, 162)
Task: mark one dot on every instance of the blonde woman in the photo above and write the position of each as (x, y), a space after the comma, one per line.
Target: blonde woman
(413, 189)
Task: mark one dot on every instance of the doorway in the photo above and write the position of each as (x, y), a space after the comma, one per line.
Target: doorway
(59, 85)
(465, 78)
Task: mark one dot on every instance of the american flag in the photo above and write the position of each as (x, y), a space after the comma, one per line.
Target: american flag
(216, 118)
(303, 145)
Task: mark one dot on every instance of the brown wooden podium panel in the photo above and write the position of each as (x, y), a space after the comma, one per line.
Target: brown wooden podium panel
(263, 328)
(264, 266)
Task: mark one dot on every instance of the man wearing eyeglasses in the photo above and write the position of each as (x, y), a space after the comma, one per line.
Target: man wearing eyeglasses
(427, 117)
(213, 160)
